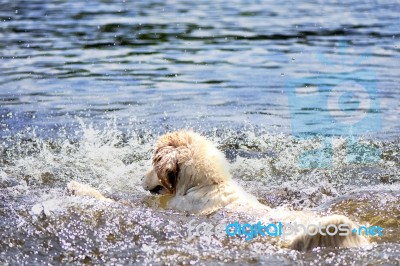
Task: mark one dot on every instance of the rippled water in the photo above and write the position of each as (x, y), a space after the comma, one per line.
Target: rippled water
(86, 87)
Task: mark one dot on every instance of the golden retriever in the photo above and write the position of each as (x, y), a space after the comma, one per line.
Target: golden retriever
(193, 172)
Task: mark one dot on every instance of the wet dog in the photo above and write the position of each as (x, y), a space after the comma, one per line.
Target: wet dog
(194, 174)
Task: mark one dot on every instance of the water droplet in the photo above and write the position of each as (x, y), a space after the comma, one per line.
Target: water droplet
(16, 11)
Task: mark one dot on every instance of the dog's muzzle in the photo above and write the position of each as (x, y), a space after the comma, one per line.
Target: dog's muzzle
(157, 190)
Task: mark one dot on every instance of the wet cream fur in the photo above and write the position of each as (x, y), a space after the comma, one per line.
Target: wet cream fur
(194, 173)
(80, 189)
(202, 183)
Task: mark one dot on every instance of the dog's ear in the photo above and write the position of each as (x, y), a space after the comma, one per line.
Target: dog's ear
(165, 163)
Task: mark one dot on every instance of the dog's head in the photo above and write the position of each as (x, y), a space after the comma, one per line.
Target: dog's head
(172, 150)
(184, 161)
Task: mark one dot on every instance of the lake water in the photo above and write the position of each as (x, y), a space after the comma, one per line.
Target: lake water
(86, 87)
